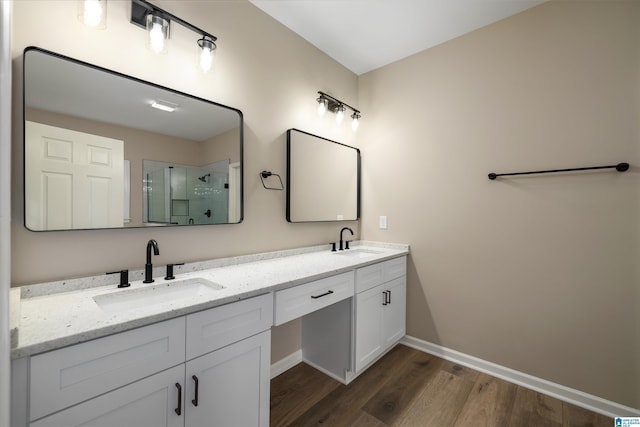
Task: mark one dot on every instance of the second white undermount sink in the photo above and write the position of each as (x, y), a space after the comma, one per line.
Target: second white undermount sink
(160, 293)
(358, 253)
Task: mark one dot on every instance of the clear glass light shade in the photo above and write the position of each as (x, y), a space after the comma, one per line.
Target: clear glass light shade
(158, 29)
(93, 13)
(207, 50)
(356, 121)
(340, 114)
(322, 106)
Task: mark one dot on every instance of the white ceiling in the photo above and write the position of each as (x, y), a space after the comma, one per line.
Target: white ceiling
(364, 35)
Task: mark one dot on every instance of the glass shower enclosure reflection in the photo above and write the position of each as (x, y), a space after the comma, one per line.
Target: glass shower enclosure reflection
(182, 195)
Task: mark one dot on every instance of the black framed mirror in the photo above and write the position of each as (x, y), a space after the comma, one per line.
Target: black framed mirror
(323, 179)
(95, 140)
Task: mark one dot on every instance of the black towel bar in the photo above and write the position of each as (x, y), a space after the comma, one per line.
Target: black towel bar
(620, 167)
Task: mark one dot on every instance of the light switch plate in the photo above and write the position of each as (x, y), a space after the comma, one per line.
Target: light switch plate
(383, 222)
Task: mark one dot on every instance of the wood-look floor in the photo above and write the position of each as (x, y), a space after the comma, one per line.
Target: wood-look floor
(410, 388)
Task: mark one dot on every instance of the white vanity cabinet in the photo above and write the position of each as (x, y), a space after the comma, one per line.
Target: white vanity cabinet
(380, 309)
(206, 368)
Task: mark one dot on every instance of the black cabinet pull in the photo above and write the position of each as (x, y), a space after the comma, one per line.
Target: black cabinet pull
(195, 401)
(321, 295)
(386, 297)
(179, 408)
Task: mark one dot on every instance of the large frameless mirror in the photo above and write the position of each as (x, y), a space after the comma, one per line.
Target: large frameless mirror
(106, 150)
(323, 179)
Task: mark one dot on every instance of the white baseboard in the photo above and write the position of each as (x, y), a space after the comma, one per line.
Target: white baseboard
(573, 396)
(286, 363)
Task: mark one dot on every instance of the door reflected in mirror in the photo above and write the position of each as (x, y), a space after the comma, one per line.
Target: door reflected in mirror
(90, 133)
(323, 179)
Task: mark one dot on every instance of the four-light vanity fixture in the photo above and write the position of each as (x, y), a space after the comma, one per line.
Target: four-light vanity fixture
(157, 22)
(328, 102)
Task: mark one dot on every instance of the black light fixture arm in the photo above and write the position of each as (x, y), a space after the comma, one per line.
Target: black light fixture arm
(141, 8)
(335, 102)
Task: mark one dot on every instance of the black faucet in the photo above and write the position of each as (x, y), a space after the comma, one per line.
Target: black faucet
(148, 267)
(341, 241)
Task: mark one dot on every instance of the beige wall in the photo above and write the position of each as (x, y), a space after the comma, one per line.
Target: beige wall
(538, 273)
(261, 68)
(221, 147)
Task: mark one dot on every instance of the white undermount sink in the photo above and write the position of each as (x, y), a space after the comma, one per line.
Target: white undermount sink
(160, 293)
(358, 253)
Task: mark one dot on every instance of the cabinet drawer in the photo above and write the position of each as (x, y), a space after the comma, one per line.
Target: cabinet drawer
(376, 274)
(303, 299)
(220, 326)
(395, 268)
(73, 374)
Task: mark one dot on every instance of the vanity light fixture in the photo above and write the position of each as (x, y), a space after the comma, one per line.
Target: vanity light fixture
(207, 48)
(340, 114)
(158, 21)
(167, 106)
(158, 31)
(355, 122)
(328, 102)
(322, 105)
(93, 13)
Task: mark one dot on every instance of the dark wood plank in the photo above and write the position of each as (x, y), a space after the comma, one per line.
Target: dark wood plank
(366, 420)
(535, 409)
(295, 391)
(342, 406)
(440, 403)
(490, 403)
(389, 404)
(574, 416)
(460, 371)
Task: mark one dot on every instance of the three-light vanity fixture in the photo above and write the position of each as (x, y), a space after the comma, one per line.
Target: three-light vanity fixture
(328, 102)
(155, 20)
(157, 23)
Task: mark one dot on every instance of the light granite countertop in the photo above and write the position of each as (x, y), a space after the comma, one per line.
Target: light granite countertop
(58, 314)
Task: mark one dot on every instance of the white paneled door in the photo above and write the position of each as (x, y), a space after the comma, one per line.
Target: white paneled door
(73, 180)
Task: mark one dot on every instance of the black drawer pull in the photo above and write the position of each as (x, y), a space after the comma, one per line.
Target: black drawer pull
(179, 408)
(195, 401)
(321, 295)
(384, 298)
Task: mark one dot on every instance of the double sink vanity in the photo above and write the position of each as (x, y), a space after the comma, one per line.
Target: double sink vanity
(195, 350)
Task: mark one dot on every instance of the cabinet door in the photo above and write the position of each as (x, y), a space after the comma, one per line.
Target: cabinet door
(394, 313)
(369, 305)
(232, 385)
(150, 402)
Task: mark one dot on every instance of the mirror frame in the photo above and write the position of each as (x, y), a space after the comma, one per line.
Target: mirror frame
(358, 182)
(136, 80)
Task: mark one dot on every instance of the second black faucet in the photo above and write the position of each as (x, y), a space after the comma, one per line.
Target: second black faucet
(341, 240)
(148, 267)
